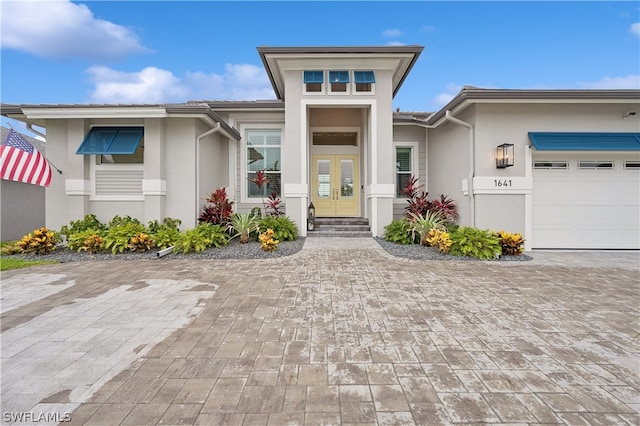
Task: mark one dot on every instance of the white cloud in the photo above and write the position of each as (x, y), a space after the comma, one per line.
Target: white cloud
(395, 43)
(61, 29)
(154, 85)
(635, 28)
(443, 98)
(392, 33)
(627, 82)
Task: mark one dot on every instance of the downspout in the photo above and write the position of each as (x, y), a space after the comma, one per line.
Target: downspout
(197, 168)
(472, 171)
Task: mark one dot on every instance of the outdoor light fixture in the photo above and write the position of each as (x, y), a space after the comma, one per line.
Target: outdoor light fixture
(504, 156)
(311, 217)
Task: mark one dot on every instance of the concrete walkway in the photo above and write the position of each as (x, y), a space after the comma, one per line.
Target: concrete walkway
(340, 333)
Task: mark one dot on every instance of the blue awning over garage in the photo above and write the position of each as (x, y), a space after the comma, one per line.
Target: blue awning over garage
(555, 141)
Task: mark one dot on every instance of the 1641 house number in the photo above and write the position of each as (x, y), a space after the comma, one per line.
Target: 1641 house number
(502, 183)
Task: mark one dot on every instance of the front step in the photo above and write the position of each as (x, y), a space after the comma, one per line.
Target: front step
(343, 227)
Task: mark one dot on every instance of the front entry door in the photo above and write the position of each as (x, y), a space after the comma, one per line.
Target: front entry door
(335, 185)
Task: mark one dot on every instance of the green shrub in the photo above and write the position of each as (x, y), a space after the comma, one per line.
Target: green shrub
(201, 238)
(166, 237)
(91, 240)
(399, 232)
(420, 225)
(90, 222)
(473, 242)
(165, 234)
(284, 229)
(40, 241)
(243, 225)
(167, 223)
(120, 232)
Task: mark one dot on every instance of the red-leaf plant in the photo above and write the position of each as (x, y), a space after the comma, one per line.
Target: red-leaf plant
(273, 205)
(446, 206)
(219, 210)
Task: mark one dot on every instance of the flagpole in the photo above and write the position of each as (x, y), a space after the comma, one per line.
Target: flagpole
(45, 157)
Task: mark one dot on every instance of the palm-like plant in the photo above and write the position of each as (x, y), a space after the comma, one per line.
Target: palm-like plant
(423, 223)
(243, 225)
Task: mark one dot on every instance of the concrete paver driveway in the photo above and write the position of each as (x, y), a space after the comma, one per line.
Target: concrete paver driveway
(332, 335)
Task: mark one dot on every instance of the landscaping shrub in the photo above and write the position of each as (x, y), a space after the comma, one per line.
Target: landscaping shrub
(399, 232)
(243, 224)
(140, 242)
(90, 222)
(219, 209)
(267, 241)
(512, 244)
(473, 242)
(120, 233)
(91, 240)
(439, 239)
(201, 238)
(420, 225)
(283, 227)
(40, 241)
(165, 234)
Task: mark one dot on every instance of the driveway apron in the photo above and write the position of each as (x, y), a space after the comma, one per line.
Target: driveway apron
(340, 333)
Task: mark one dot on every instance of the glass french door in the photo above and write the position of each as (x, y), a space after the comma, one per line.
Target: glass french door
(335, 189)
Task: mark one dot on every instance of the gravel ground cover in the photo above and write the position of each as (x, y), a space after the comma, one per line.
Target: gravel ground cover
(252, 250)
(418, 252)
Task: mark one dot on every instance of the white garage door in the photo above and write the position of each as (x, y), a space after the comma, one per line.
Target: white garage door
(589, 201)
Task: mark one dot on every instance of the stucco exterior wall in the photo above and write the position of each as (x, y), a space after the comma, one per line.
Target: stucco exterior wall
(22, 209)
(179, 159)
(448, 163)
(511, 123)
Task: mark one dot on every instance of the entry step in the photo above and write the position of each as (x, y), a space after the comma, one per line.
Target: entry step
(345, 227)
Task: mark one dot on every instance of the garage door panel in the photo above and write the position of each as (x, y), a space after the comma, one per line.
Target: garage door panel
(586, 208)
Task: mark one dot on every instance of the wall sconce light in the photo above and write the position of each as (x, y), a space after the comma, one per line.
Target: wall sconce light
(504, 156)
(311, 217)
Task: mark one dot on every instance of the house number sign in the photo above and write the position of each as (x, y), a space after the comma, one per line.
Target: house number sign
(502, 183)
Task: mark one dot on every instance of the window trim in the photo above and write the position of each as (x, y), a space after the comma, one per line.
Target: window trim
(633, 165)
(553, 165)
(340, 74)
(244, 170)
(415, 166)
(306, 83)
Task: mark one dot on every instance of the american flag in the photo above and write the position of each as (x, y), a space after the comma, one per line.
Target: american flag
(21, 162)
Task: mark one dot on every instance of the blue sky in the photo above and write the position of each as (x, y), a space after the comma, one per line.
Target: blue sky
(170, 51)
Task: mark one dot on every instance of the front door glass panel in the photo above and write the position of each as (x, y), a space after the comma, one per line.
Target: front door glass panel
(324, 178)
(346, 178)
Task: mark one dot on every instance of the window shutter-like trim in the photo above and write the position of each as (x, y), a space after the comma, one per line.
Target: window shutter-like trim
(364, 77)
(311, 77)
(338, 76)
(118, 182)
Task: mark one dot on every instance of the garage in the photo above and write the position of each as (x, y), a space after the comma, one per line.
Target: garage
(586, 191)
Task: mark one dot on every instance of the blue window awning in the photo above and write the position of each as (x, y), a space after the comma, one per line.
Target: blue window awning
(313, 77)
(338, 76)
(557, 141)
(364, 77)
(111, 140)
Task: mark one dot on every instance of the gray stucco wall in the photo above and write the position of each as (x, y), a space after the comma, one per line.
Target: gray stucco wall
(22, 209)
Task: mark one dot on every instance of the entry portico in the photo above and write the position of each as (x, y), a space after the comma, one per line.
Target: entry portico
(338, 127)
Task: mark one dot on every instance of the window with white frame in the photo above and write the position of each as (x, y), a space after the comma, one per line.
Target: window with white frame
(339, 81)
(313, 81)
(263, 153)
(364, 81)
(405, 157)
